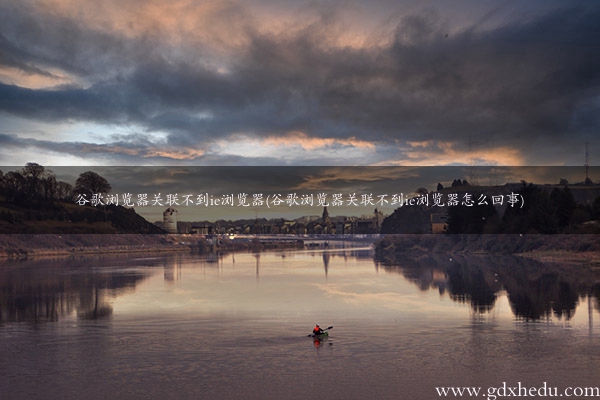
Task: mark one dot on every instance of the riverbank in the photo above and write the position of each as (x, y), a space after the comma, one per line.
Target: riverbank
(573, 248)
(50, 245)
(591, 258)
(41, 245)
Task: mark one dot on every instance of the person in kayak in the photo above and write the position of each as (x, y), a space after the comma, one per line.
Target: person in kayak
(317, 330)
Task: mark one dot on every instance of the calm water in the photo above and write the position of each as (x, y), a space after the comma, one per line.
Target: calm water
(184, 326)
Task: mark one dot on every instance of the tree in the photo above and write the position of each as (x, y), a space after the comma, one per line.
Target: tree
(421, 191)
(469, 219)
(49, 186)
(2, 188)
(596, 209)
(13, 186)
(564, 205)
(37, 190)
(64, 191)
(90, 183)
(537, 215)
(439, 187)
(407, 219)
(33, 170)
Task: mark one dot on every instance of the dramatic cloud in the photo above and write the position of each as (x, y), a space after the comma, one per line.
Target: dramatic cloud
(299, 83)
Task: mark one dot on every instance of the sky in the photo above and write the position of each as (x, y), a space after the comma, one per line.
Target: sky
(299, 83)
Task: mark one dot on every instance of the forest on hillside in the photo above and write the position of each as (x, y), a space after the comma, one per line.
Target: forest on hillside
(540, 210)
(33, 200)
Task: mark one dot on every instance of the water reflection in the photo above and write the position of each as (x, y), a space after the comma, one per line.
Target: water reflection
(322, 343)
(47, 290)
(257, 257)
(172, 270)
(535, 290)
(326, 259)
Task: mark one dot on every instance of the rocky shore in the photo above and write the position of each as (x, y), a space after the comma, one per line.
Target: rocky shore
(42, 245)
(37, 245)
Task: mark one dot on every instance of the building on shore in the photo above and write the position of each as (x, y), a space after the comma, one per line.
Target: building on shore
(170, 220)
(369, 225)
(439, 222)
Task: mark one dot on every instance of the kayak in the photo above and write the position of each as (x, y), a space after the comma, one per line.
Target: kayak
(322, 335)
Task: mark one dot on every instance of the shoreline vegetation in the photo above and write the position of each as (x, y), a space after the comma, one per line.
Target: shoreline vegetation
(563, 248)
(591, 258)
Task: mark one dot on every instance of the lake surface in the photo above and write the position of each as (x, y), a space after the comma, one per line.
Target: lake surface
(186, 326)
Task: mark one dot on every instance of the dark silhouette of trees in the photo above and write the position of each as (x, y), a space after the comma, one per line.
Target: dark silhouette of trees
(33, 186)
(407, 219)
(13, 187)
(90, 183)
(564, 204)
(34, 194)
(537, 214)
(38, 186)
(64, 191)
(458, 182)
(469, 219)
(596, 209)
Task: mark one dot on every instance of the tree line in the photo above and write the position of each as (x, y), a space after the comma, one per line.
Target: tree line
(36, 187)
(543, 211)
(34, 193)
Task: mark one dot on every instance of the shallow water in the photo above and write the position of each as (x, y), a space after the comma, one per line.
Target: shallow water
(184, 326)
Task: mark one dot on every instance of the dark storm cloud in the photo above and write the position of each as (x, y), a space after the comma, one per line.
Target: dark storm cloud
(33, 34)
(103, 103)
(11, 56)
(525, 80)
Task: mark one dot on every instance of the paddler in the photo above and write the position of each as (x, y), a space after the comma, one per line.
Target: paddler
(317, 330)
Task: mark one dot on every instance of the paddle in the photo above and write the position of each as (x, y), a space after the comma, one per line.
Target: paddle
(313, 335)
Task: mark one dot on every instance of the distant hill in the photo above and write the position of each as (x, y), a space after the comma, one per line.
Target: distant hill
(68, 218)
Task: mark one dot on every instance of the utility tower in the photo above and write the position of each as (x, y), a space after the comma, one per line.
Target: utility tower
(471, 161)
(587, 164)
